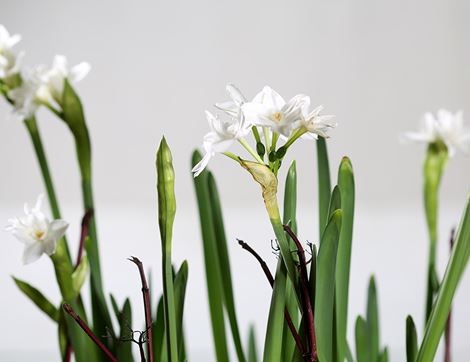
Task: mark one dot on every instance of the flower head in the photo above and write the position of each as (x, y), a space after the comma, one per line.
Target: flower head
(446, 127)
(53, 79)
(269, 109)
(36, 231)
(314, 123)
(9, 61)
(224, 132)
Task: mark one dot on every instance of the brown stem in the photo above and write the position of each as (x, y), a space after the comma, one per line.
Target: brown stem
(70, 311)
(267, 273)
(448, 330)
(84, 233)
(148, 313)
(68, 352)
(307, 305)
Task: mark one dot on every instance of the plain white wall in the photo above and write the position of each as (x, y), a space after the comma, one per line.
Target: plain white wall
(158, 65)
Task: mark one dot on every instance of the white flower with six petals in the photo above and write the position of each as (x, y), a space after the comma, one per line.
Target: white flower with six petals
(36, 231)
(9, 61)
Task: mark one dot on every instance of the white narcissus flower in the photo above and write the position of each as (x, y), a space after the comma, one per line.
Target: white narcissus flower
(221, 137)
(36, 231)
(232, 107)
(9, 61)
(446, 127)
(54, 78)
(314, 123)
(269, 109)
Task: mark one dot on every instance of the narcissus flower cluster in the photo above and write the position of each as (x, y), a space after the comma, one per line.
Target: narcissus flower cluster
(268, 114)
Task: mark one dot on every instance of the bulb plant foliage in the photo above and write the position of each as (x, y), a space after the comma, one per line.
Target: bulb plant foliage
(308, 311)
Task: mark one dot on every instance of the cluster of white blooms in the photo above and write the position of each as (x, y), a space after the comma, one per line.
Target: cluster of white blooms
(445, 127)
(36, 232)
(267, 111)
(41, 85)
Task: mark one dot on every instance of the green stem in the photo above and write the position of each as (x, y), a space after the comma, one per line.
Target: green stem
(250, 150)
(266, 139)
(294, 137)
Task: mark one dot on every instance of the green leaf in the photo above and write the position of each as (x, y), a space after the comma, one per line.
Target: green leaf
(325, 287)
(362, 344)
(411, 340)
(373, 321)
(124, 317)
(454, 271)
(384, 355)
(346, 187)
(181, 280)
(313, 275)
(289, 218)
(335, 201)
(38, 299)
(166, 217)
(158, 329)
(224, 264)
(252, 350)
(213, 273)
(324, 183)
(79, 275)
(274, 329)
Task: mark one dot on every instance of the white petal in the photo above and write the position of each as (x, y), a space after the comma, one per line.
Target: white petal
(234, 93)
(32, 252)
(57, 229)
(78, 72)
(39, 202)
(49, 246)
(201, 165)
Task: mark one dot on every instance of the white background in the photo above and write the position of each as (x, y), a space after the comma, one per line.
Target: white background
(157, 66)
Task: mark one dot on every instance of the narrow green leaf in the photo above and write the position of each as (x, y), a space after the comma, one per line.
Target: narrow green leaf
(384, 355)
(335, 201)
(373, 321)
(454, 271)
(346, 187)
(324, 183)
(166, 217)
(325, 287)
(411, 340)
(158, 329)
(224, 265)
(313, 275)
(79, 275)
(181, 280)
(38, 299)
(123, 348)
(252, 349)
(213, 274)
(274, 329)
(362, 344)
(289, 217)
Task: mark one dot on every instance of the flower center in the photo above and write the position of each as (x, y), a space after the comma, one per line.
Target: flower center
(39, 234)
(277, 116)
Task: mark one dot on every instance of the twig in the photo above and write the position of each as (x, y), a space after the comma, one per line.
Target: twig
(305, 294)
(84, 233)
(148, 313)
(68, 308)
(68, 352)
(448, 330)
(267, 273)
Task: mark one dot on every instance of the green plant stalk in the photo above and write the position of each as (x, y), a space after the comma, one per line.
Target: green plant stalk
(346, 187)
(453, 274)
(434, 165)
(252, 351)
(166, 217)
(324, 184)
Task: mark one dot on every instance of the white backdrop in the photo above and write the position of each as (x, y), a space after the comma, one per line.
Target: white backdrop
(157, 66)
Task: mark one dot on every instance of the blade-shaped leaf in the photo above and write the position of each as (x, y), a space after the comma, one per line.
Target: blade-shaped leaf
(224, 265)
(346, 187)
(38, 299)
(440, 311)
(373, 321)
(324, 183)
(181, 280)
(213, 274)
(362, 344)
(411, 340)
(252, 349)
(325, 287)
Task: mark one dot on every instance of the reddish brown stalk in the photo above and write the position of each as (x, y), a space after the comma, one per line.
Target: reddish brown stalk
(448, 330)
(84, 233)
(68, 353)
(148, 313)
(267, 273)
(70, 311)
(307, 305)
